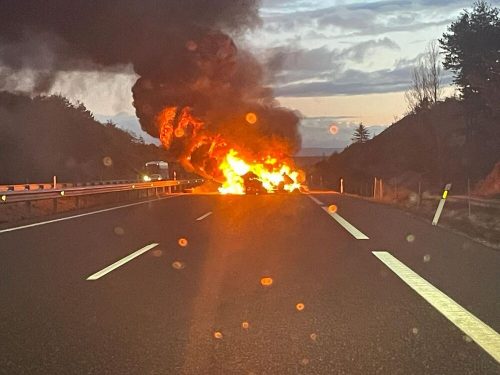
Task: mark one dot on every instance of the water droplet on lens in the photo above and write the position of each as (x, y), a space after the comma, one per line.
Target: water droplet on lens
(119, 231)
(178, 265)
(266, 281)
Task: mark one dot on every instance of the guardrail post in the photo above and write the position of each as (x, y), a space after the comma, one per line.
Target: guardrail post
(54, 205)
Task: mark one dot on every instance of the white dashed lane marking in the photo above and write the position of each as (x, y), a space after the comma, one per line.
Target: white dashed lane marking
(121, 262)
(485, 336)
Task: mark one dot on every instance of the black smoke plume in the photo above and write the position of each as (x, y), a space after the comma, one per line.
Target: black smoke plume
(181, 50)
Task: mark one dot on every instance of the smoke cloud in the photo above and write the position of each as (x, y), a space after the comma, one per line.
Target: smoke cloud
(181, 50)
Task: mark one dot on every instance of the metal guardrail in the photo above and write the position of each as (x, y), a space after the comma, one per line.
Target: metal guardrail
(474, 201)
(32, 192)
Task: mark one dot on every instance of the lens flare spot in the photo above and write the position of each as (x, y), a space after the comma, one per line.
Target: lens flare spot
(332, 208)
(251, 118)
(178, 265)
(119, 231)
(410, 238)
(245, 325)
(179, 132)
(218, 335)
(191, 45)
(300, 306)
(157, 253)
(182, 242)
(427, 258)
(334, 129)
(107, 161)
(266, 281)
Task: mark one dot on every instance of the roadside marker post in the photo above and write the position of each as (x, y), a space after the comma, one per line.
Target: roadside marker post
(447, 188)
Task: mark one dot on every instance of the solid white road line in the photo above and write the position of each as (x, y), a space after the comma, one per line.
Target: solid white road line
(485, 336)
(315, 200)
(121, 262)
(81, 215)
(355, 232)
(204, 216)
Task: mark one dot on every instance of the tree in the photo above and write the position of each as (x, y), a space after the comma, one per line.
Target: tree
(472, 52)
(426, 80)
(361, 134)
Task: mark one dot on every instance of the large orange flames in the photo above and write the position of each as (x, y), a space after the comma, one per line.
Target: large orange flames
(215, 158)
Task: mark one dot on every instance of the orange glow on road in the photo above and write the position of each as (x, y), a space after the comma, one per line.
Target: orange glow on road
(332, 208)
(299, 306)
(182, 242)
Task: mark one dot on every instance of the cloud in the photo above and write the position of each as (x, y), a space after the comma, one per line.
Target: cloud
(315, 131)
(365, 18)
(323, 71)
(352, 82)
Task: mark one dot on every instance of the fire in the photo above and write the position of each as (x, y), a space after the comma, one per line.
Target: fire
(214, 157)
(272, 175)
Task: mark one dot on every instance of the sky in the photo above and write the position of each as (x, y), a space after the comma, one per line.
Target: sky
(341, 62)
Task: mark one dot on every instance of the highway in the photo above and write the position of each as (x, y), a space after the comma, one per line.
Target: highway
(268, 284)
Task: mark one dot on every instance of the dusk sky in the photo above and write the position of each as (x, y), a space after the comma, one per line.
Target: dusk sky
(337, 62)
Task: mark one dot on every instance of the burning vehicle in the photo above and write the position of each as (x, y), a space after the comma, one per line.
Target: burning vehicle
(208, 101)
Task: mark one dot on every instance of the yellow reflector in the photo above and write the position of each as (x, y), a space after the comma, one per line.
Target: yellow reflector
(445, 194)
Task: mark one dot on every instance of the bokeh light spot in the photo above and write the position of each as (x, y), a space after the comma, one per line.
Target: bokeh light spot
(245, 325)
(410, 237)
(334, 129)
(427, 258)
(178, 265)
(107, 161)
(332, 208)
(251, 118)
(313, 336)
(266, 281)
(191, 45)
(182, 242)
(414, 330)
(300, 306)
(179, 132)
(218, 335)
(157, 253)
(119, 231)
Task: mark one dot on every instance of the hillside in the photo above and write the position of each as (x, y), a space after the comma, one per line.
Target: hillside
(430, 147)
(46, 136)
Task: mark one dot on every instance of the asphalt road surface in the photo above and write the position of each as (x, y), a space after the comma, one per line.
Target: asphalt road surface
(269, 284)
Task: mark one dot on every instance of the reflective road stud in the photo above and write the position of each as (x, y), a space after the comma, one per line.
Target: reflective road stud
(441, 204)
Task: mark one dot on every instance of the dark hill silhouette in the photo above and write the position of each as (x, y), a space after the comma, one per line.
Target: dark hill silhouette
(431, 146)
(46, 136)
